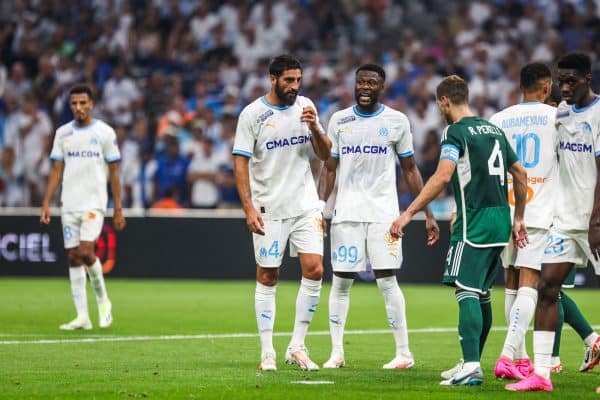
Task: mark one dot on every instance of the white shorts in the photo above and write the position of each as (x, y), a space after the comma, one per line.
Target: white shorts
(570, 246)
(530, 256)
(353, 242)
(81, 226)
(305, 234)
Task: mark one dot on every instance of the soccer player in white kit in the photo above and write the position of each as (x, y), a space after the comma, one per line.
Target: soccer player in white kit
(575, 233)
(529, 128)
(273, 139)
(367, 139)
(85, 156)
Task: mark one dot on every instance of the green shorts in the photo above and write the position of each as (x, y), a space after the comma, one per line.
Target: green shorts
(472, 268)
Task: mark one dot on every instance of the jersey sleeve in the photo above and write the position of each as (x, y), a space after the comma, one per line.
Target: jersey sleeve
(404, 147)
(333, 135)
(452, 145)
(511, 156)
(244, 136)
(110, 147)
(597, 139)
(57, 153)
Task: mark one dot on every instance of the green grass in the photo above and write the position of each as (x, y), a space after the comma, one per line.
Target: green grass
(225, 368)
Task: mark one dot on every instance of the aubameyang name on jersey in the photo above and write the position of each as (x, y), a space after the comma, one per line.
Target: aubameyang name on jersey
(83, 154)
(294, 140)
(365, 149)
(576, 147)
(524, 121)
(484, 130)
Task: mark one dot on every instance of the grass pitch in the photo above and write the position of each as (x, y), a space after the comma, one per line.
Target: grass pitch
(196, 340)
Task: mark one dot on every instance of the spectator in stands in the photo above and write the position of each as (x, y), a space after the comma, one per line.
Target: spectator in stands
(12, 180)
(171, 172)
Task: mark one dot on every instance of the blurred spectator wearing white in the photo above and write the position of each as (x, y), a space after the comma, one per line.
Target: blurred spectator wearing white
(120, 97)
(12, 180)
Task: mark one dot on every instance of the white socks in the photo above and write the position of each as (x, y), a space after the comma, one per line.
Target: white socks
(521, 314)
(306, 305)
(590, 339)
(264, 304)
(78, 279)
(339, 302)
(395, 308)
(97, 281)
(509, 299)
(543, 341)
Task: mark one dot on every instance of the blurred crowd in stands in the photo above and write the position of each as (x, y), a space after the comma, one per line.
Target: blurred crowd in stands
(171, 76)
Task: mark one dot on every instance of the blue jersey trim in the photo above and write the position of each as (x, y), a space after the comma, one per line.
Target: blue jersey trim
(529, 103)
(335, 155)
(238, 152)
(598, 153)
(582, 109)
(406, 154)
(83, 128)
(355, 109)
(274, 107)
(112, 159)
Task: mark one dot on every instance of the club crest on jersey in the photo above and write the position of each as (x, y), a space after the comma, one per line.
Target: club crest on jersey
(263, 117)
(585, 127)
(94, 141)
(383, 131)
(347, 119)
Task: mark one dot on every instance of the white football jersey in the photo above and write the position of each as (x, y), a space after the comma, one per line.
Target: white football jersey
(366, 146)
(578, 147)
(85, 152)
(278, 145)
(529, 128)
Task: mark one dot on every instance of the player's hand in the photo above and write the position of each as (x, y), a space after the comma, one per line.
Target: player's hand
(519, 234)
(594, 239)
(45, 215)
(309, 115)
(324, 226)
(119, 220)
(398, 225)
(433, 231)
(255, 222)
(452, 221)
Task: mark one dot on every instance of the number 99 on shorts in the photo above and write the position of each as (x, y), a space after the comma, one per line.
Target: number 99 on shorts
(345, 254)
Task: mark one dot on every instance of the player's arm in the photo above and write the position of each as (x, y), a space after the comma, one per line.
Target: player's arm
(320, 142)
(242, 182)
(414, 181)
(594, 229)
(115, 187)
(519, 175)
(327, 178)
(53, 181)
(431, 190)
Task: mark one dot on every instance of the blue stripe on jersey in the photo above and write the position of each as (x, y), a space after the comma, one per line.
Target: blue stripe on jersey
(406, 154)
(529, 103)
(450, 152)
(274, 107)
(335, 155)
(112, 159)
(597, 153)
(582, 109)
(57, 158)
(238, 152)
(355, 109)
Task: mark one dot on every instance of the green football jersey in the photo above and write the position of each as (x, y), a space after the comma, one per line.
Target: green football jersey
(482, 155)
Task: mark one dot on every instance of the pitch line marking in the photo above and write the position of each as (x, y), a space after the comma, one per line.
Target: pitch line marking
(99, 339)
(313, 382)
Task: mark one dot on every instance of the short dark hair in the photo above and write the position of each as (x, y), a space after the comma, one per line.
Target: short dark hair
(532, 74)
(374, 68)
(282, 63)
(580, 62)
(81, 88)
(454, 88)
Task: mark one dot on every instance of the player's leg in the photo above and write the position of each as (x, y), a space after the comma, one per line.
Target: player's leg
(347, 258)
(306, 240)
(268, 253)
(556, 364)
(546, 317)
(77, 275)
(574, 317)
(91, 227)
(472, 271)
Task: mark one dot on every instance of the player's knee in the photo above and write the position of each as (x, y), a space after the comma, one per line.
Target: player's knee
(87, 257)
(313, 271)
(267, 276)
(74, 259)
(548, 291)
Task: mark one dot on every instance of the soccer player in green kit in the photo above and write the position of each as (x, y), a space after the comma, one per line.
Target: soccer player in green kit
(475, 156)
